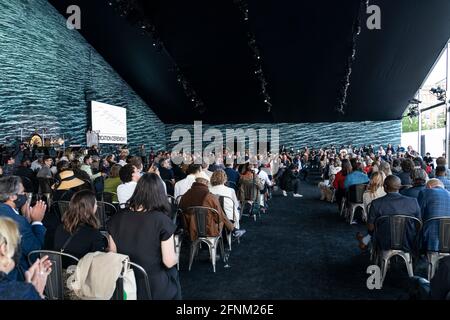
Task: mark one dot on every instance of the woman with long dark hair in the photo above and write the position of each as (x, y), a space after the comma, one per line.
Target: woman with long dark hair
(145, 233)
(79, 232)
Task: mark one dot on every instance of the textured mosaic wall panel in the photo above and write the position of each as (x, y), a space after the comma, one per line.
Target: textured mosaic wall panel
(48, 74)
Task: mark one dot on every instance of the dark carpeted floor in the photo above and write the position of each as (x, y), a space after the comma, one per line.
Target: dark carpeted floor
(302, 249)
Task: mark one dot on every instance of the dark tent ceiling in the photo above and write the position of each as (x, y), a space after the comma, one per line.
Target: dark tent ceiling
(304, 48)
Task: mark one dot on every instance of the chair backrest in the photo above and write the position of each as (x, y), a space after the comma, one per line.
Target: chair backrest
(200, 215)
(45, 185)
(142, 280)
(398, 227)
(174, 209)
(222, 204)
(108, 197)
(169, 187)
(54, 290)
(356, 192)
(104, 212)
(444, 232)
(62, 207)
(27, 184)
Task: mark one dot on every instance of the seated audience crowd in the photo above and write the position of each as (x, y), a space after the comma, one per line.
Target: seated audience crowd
(52, 202)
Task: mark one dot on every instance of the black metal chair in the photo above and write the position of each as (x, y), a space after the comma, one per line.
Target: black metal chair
(443, 225)
(108, 197)
(62, 207)
(170, 187)
(248, 196)
(397, 226)
(354, 199)
(54, 290)
(178, 236)
(200, 214)
(45, 189)
(105, 210)
(222, 204)
(27, 184)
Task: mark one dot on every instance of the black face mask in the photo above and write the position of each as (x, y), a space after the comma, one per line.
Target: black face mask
(20, 201)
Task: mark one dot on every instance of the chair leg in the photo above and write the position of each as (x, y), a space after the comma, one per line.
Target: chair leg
(212, 252)
(343, 207)
(384, 267)
(229, 239)
(194, 248)
(351, 211)
(222, 249)
(432, 262)
(178, 241)
(409, 264)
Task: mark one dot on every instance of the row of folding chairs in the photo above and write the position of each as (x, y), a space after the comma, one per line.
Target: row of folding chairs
(54, 289)
(398, 227)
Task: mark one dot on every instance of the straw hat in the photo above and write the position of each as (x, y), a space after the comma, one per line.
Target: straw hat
(68, 181)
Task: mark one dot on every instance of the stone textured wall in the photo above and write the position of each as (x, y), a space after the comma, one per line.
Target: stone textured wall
(48, 74)
(315, 134)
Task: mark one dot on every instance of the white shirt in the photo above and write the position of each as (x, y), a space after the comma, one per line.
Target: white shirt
(223, 190)
(182, 186)
(208, 173)
(122, 163)
(125, 191)
(265, 177)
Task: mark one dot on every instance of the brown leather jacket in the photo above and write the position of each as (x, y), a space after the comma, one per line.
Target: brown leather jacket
(199, 195)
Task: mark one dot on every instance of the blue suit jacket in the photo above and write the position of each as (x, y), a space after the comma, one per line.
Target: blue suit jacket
(394, 204)
(232, 175)
(433, 203)
(32, 236)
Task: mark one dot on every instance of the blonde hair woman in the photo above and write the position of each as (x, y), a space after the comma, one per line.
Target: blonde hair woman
(374, 190)
(385, 167)
(218, 187)
(35, 277)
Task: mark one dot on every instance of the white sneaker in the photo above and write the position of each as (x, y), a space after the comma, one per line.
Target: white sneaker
(296, 195)
(284, 193)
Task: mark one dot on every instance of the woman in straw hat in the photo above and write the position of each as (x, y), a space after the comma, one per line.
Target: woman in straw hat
(66, 187)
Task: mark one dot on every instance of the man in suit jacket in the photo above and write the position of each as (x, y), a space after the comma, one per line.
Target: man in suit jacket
(32, 232)
(393, 203)
(434, 202)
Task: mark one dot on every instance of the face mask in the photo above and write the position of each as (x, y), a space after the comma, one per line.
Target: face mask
(20, 201)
